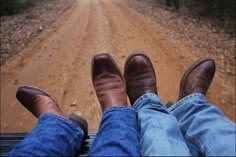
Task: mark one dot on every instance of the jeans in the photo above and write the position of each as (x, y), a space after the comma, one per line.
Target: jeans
(160, 134)
(190, 127)
(57, 136)
(53, 136)
(118, 133)
(205, 128)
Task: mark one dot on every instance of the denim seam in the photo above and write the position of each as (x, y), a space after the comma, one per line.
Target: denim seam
(71, 141)
(117, 108)
(61, 118)
(141, 98)
(180, 102)
(191, 140)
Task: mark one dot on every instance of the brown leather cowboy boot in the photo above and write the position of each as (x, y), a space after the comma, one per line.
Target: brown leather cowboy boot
(39, 101)
(108, 81)
(139, 75)
(197, 78)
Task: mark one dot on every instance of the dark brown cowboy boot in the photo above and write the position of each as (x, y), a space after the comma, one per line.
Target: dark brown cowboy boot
(197, 78)
(39, 101)
(108, 81)
(139, 75)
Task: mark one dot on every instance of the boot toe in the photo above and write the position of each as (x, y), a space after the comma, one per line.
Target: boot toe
(139, 75)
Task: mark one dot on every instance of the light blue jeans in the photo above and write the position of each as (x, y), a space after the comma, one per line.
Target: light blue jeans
(57, 136)
(190, 127)
(205, 128)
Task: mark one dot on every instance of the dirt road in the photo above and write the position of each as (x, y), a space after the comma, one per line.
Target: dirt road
(59, 61)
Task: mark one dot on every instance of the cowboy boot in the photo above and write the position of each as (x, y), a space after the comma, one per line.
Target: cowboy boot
(39, 101)
(140, 76)
(108, 81)
(197, 78)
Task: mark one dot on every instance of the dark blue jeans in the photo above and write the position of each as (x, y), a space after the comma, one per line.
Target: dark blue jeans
(57, 136)
(118, 133)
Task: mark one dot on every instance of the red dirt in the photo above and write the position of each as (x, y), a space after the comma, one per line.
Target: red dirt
(59, 59)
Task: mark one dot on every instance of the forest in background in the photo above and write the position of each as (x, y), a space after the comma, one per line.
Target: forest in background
(9, 7)
(220, 12)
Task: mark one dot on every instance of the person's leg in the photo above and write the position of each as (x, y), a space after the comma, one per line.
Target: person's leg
(158, 129)
(205, 128)
(54, 134)
(118, 132)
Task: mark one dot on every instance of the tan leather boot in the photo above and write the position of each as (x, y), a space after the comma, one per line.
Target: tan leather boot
(197, 78)
(139, 75)
(108, 81)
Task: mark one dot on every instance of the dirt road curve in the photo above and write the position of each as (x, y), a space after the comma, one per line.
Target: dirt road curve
(59, 61)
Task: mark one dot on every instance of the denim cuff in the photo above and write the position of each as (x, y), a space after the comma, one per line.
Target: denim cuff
(143, 97)
(115, 108)
(194, 96)
(60, 118)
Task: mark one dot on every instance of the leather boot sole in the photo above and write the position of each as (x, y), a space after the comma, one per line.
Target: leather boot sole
(80, 120)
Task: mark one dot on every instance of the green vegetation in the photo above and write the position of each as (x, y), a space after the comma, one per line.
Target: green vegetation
(211, 8)
(219, 12)
(9, 7)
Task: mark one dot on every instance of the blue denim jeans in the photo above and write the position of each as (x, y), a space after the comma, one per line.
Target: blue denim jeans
(118, 133)
(159, 132)
(190, 127)
(53, 136)
(57, 136)
(205, 128)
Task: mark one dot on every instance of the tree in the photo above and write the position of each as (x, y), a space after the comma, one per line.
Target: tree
(172, 3)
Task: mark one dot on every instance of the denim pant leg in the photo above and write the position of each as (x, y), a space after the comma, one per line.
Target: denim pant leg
(118, 133)
(53, 136)
(206, 130)
(159, 131)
